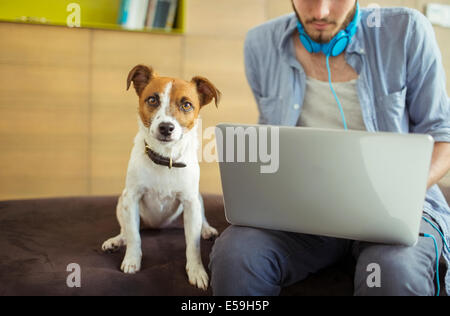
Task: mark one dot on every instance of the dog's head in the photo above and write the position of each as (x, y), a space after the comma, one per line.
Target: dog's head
(168, 107)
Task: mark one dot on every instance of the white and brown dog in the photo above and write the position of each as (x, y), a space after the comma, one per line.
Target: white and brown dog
(163, 172)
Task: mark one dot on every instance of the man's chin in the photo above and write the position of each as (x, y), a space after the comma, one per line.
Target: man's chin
(321, 37)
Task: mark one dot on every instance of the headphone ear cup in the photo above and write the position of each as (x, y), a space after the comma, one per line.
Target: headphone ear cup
(339, 45)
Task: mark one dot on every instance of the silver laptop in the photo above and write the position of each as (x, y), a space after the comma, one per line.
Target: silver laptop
(348, 184)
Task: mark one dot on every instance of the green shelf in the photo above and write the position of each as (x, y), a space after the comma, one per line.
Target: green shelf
(95, 14)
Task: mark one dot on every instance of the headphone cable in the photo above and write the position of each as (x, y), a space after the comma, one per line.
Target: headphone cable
(335, 95)
(437, 250)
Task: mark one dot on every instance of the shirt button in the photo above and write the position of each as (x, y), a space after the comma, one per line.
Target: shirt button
(296, 106)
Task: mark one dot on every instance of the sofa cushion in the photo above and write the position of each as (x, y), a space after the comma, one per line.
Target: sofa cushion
(40, 238)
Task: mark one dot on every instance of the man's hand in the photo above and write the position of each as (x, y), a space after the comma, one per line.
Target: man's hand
(440, 163)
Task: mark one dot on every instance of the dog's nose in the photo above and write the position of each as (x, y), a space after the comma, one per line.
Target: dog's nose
(166, 129)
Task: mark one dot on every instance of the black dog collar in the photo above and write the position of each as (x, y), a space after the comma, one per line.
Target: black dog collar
(161, 160)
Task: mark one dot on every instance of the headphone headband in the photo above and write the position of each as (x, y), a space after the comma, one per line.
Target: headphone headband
(337, 44)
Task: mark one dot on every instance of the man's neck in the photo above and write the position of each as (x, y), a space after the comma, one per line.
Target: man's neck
(315, 64)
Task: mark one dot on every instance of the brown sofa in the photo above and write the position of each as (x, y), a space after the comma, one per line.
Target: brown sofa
(39, 238)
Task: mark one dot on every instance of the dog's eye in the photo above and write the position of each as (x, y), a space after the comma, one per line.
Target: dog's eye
(187, 106)
(152, 100)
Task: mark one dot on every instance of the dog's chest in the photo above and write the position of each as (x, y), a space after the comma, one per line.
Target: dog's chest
(160, 201)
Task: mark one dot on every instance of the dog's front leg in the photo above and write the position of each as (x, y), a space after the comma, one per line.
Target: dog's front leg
(192, 230)
(132, 261)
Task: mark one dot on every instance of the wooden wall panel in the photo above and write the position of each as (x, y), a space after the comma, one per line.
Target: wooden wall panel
(421, 4)
(276, 8)
(222, 19)
(44, 111)
(387, 3)
(126, 49)
(67, 123)
(43, 45)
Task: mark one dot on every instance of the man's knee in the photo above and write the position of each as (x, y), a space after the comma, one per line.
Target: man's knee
(239, 258)
(240, 247)
(392, 270)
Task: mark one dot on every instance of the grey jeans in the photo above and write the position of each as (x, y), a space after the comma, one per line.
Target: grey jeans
(251, 261)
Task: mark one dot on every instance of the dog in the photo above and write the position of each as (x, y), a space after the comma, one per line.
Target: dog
(163, 172)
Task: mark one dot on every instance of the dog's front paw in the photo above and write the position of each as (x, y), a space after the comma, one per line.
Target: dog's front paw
(209, 232)
(113, 244)
(197, 276)
(131, 263)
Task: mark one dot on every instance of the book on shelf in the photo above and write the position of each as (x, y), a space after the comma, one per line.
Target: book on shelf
(150, 14)
(123, 11)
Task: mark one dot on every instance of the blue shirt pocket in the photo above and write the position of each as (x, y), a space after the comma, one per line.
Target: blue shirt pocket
(391, 111)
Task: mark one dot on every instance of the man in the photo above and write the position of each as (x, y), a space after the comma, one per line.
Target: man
(388, 78)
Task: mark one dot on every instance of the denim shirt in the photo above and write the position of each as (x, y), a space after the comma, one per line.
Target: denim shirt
(401, 81)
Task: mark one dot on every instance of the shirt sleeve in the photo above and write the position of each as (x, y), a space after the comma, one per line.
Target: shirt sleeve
(427, 100)
(252, 73)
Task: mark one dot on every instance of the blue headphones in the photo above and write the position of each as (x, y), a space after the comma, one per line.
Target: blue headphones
(337, 44)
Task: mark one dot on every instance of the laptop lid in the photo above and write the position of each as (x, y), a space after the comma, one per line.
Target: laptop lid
(348, 184)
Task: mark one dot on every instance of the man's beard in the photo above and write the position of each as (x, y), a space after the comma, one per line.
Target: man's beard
(320, 37)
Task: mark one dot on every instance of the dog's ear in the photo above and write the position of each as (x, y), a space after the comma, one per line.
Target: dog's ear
(141, 76)
(206, 91)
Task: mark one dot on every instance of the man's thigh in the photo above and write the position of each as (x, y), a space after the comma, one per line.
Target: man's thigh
(397, 270)
(283, 257)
